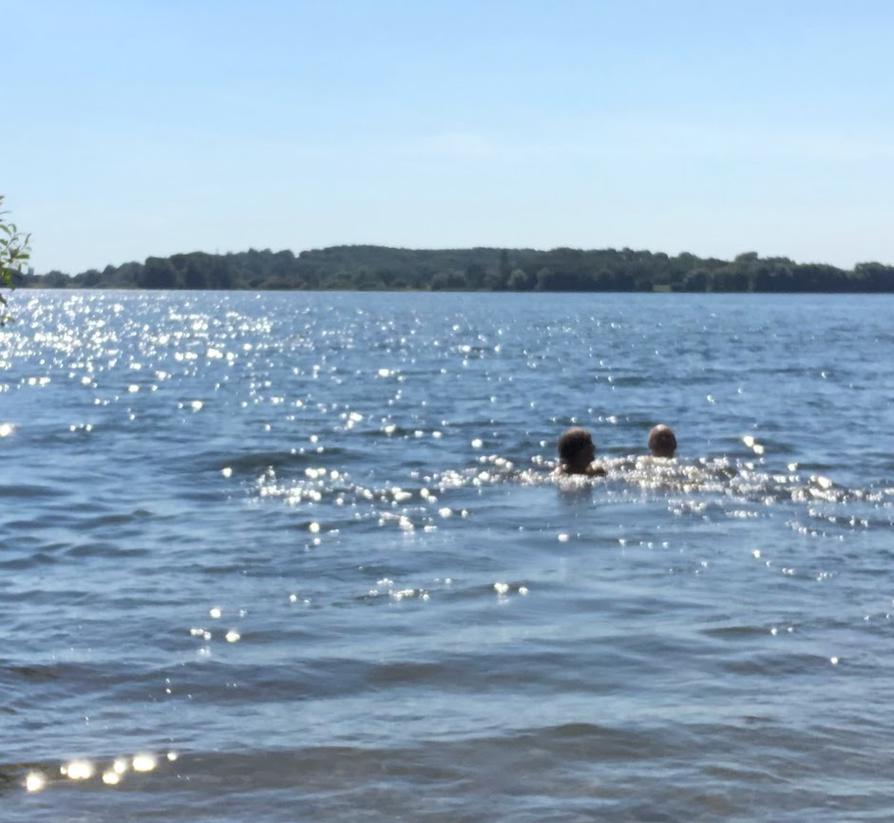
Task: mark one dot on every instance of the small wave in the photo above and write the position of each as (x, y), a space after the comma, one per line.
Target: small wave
(27, 491)
(254, 462)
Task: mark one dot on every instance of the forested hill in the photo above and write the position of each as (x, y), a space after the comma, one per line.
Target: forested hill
(486, 269)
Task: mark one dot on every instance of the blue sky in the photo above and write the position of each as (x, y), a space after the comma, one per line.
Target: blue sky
(140, 127)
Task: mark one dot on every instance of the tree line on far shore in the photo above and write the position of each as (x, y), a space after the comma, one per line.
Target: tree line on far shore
(376, 268)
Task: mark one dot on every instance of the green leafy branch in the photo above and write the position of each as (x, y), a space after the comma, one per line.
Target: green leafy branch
(15, 251)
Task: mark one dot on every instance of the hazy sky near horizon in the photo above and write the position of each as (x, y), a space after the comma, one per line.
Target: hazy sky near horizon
(149, 127)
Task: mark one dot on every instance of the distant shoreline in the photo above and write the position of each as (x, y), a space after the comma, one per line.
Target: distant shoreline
(387, 269)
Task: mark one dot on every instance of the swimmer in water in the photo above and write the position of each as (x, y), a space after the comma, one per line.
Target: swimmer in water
(662, 442)
(576, 454)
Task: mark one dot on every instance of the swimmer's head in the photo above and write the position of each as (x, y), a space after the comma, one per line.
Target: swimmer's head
(662, 442)
(576, 450)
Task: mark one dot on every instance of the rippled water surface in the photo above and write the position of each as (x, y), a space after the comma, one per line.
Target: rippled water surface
(302, 556)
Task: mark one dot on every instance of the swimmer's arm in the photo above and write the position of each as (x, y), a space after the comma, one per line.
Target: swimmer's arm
(596, 471)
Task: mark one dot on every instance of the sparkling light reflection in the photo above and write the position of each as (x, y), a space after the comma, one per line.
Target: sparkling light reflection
(144, 762)
(35, 781)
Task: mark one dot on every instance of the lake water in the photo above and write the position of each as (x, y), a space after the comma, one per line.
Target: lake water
(302, 557)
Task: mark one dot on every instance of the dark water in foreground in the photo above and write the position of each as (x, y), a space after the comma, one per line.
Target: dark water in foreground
(415, 621)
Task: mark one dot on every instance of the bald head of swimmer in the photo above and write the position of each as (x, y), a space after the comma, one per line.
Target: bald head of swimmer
(662, 441)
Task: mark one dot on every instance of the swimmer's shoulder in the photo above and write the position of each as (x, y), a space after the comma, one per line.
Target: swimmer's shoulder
(593, 470)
